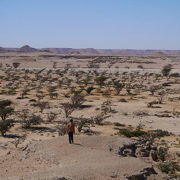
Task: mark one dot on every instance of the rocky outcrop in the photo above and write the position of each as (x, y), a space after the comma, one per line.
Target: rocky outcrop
(128, 149)
(143, 174)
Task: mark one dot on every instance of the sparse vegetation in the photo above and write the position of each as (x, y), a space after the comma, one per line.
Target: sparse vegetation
(131, 133)
(166, 70)
(169, 167)
(44, 100)
(5, 110)
(32, 120)
(5, 126)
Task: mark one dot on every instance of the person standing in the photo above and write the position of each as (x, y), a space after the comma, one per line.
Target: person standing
(71, 131)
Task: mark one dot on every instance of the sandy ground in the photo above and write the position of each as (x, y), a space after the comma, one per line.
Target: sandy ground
(119, 63)
(89, 158)
(43, 154)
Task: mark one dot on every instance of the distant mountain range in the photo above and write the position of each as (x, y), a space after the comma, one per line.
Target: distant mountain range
(28, 49)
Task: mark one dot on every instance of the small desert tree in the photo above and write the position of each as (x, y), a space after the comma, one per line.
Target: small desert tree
(106, 107)
(16, 64)
(118, 86)
(101, 80)
(83, 122)
(5, 126)
(77, 99)
(98, 119)
(166, 70)
(5, 110)
(31, 120)
(154, 88)
(68, 108)
(161, 96)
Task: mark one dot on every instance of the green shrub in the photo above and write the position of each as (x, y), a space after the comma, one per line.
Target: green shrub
(160, 133)
(161, 154)
(131, 133)
(168, 167)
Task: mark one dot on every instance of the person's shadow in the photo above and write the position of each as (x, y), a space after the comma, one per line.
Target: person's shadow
(77, 144)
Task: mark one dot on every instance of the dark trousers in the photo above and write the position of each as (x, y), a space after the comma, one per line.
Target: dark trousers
(71, 138)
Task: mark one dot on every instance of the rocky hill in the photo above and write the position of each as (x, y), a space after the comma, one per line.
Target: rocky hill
(131, 52)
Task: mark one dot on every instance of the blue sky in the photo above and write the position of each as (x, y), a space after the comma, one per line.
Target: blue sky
(120, 24)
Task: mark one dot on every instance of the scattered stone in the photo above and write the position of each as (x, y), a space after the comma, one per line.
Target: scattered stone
(9, 152)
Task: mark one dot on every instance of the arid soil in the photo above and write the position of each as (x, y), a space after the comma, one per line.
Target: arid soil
(88, 158)
(128, 92)
(111, 63)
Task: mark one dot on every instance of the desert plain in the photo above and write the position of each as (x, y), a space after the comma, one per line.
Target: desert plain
(126, 109)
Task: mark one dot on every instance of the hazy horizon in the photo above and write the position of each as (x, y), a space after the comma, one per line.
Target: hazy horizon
(91, 48)
(103, 24)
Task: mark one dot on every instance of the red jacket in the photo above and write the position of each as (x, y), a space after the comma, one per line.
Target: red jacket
(70, 127)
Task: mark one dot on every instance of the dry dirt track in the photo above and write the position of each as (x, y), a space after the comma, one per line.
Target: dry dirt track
(88, 159)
